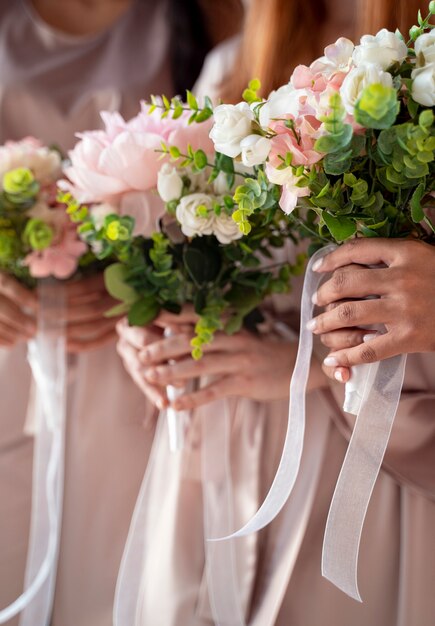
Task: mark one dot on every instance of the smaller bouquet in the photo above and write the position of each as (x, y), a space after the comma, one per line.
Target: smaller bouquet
(37, 239)
(191, 250)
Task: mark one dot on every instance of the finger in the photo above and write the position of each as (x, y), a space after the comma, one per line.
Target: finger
(363, 251)
(352, 283)
(138, 336)
(352, 313)
(340, 339)
(156, 395)
(186, 316)
(379, 348)
(88, 312)
(208, 365)
(222, 388)
(78, 346)
(90, 330)
(179, 345)
(129, 355)
(85, 286)
(16, 292)
(8, 336)
(341, 374)
(12, 316)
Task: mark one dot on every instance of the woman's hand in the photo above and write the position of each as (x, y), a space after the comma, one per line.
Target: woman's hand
(248, 365)
(18, 307)
(405, 303)
(86, 303)
(132, 342)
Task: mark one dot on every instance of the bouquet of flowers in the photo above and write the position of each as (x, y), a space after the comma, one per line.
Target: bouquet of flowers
(349, 144)
(37, 239)
(167, 217)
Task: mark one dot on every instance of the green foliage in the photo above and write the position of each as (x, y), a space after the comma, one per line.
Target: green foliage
(37, 234)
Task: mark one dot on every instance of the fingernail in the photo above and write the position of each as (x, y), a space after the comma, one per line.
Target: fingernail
(314, 298)
(311, 325)
(369, 337)
(330, 361)
(338, 375)
(317, 265)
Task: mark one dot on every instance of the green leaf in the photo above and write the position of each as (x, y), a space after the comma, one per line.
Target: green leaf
(143, 312)
(341, 228)
(119, 309)
(417, 213)
(115, 280)
(192, 101)
(200, 159)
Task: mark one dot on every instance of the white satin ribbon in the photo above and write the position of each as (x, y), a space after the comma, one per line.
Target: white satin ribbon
(178, 421)
(221, 566)
(292, 452)
(359, 472)
(382, 385)
(47, 358)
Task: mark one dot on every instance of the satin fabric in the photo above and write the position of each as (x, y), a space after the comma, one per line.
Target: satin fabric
(51, 86)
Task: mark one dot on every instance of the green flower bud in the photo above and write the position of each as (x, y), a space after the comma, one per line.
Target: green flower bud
(432, 7)
(377, 107)
(21, 183)
(37, 234)
(116, 231)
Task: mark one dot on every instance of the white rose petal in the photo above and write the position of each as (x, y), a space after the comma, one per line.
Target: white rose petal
(99, 212)
(225, 229)
(283, 101)
(358, 79)
(425, 48)
(232, 123)
(338, 57)
(192, 224)
(255, 150)
(423, 85)
(220, 184)
(169, 183)
(384, 49)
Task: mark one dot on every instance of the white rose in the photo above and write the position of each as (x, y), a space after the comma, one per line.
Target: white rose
(338, 57)
(358, 79)
(232, 123)
(99, 212)
(220, 184)
(425, 48)
(225, 229)
(423, 85)
(255, 150)
(192, 224)
(283, 101)
(169, 183)
(384, 49)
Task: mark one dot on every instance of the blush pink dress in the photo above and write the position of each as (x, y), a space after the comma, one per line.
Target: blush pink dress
(51, 86)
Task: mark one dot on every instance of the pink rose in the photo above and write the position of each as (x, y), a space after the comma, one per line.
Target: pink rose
(125, 156)
(60, 259)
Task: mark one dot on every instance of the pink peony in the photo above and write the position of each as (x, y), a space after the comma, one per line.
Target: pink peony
(125, 156)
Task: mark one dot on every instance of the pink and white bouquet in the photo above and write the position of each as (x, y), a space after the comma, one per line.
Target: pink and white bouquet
(349, 144)
(161, 205)
(37, 239)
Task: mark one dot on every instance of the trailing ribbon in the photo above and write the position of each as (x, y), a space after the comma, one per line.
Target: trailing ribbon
(288, 468)
(47, 358)
(178, 421)
(359, 472)
(380, 393)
